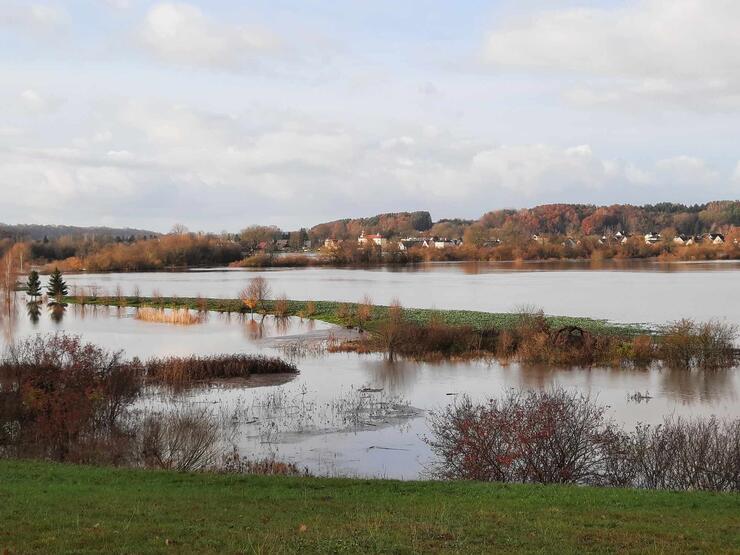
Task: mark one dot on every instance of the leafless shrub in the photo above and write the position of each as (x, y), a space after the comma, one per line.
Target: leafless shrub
(186, 439)
(345, 314)
(309, 310)
(390, 330)
(544, 437)
(686, 344)
(560, 437)
(643, 350)
(687, 454)
(281, 306)
(365, 310)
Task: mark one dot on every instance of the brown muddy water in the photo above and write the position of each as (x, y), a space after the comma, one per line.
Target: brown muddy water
(322, 420)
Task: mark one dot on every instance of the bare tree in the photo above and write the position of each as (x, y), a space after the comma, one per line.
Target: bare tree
(255, 294)
(185, 440)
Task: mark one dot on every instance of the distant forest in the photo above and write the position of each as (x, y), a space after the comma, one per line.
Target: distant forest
(39, 232)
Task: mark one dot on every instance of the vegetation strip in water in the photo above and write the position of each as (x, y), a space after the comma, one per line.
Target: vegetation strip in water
(329, 311)
(50, 507)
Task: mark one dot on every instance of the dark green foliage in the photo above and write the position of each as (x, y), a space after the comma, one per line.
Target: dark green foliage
(33, 285)
(57, 287)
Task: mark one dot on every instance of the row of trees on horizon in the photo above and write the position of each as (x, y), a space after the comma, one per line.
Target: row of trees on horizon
(181, 248)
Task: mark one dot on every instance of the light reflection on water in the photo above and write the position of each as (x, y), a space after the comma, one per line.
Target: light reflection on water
(395, 450)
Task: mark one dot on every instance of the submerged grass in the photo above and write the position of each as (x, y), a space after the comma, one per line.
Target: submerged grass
(53, 508)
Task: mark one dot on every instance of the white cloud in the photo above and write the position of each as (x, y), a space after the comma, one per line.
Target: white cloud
(677, 51)
(215, 170)
(34, 102)
(532, 169)
(37, 18)
(687, 170)
(182, 34)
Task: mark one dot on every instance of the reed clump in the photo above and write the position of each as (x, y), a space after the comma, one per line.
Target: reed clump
(180, 371)
(178, 316)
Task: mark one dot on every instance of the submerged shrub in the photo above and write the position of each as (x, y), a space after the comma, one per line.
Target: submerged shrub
(686, 344)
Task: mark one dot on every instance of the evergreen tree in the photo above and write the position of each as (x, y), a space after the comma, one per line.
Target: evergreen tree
(57, 288)
(33, 285)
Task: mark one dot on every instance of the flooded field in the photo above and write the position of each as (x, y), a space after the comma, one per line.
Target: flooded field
(622, 291)
(348, 414)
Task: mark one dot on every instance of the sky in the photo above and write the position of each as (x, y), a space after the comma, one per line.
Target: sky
(220, 115)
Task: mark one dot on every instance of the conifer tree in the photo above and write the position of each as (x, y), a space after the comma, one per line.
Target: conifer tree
(33, 285)
(57, 288)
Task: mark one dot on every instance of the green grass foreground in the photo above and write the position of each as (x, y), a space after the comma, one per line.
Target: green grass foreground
(54, 508)
(326, 311)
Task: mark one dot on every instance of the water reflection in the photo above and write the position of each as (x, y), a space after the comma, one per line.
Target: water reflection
(33, 309)
(8, 317)
(57, 312)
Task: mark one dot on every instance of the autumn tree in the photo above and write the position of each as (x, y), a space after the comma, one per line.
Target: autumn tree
(255, 294)
(475, 236)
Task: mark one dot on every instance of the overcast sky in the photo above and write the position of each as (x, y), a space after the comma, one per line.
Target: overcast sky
(222, 114)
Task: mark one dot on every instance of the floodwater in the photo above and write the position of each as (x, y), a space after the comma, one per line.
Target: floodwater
(629, 291)
(305, 420)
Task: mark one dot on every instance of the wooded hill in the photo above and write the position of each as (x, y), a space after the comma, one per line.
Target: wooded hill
(554, 219)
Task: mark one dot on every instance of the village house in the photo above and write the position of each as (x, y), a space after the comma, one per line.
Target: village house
(410, 242)
(681, 239)
(376, 239)
(716, 238)
(538, 239)
(652, 238)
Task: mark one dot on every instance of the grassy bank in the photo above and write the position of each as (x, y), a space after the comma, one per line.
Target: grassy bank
(49, 508)
(328, 311)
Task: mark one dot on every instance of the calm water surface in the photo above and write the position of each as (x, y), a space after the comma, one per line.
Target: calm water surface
(626, 291)
(395, 449)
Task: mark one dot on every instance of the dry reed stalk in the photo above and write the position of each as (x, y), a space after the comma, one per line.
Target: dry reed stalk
(179, 316)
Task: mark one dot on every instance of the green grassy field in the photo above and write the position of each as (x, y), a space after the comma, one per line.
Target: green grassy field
(327, 311)
(52, 508)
